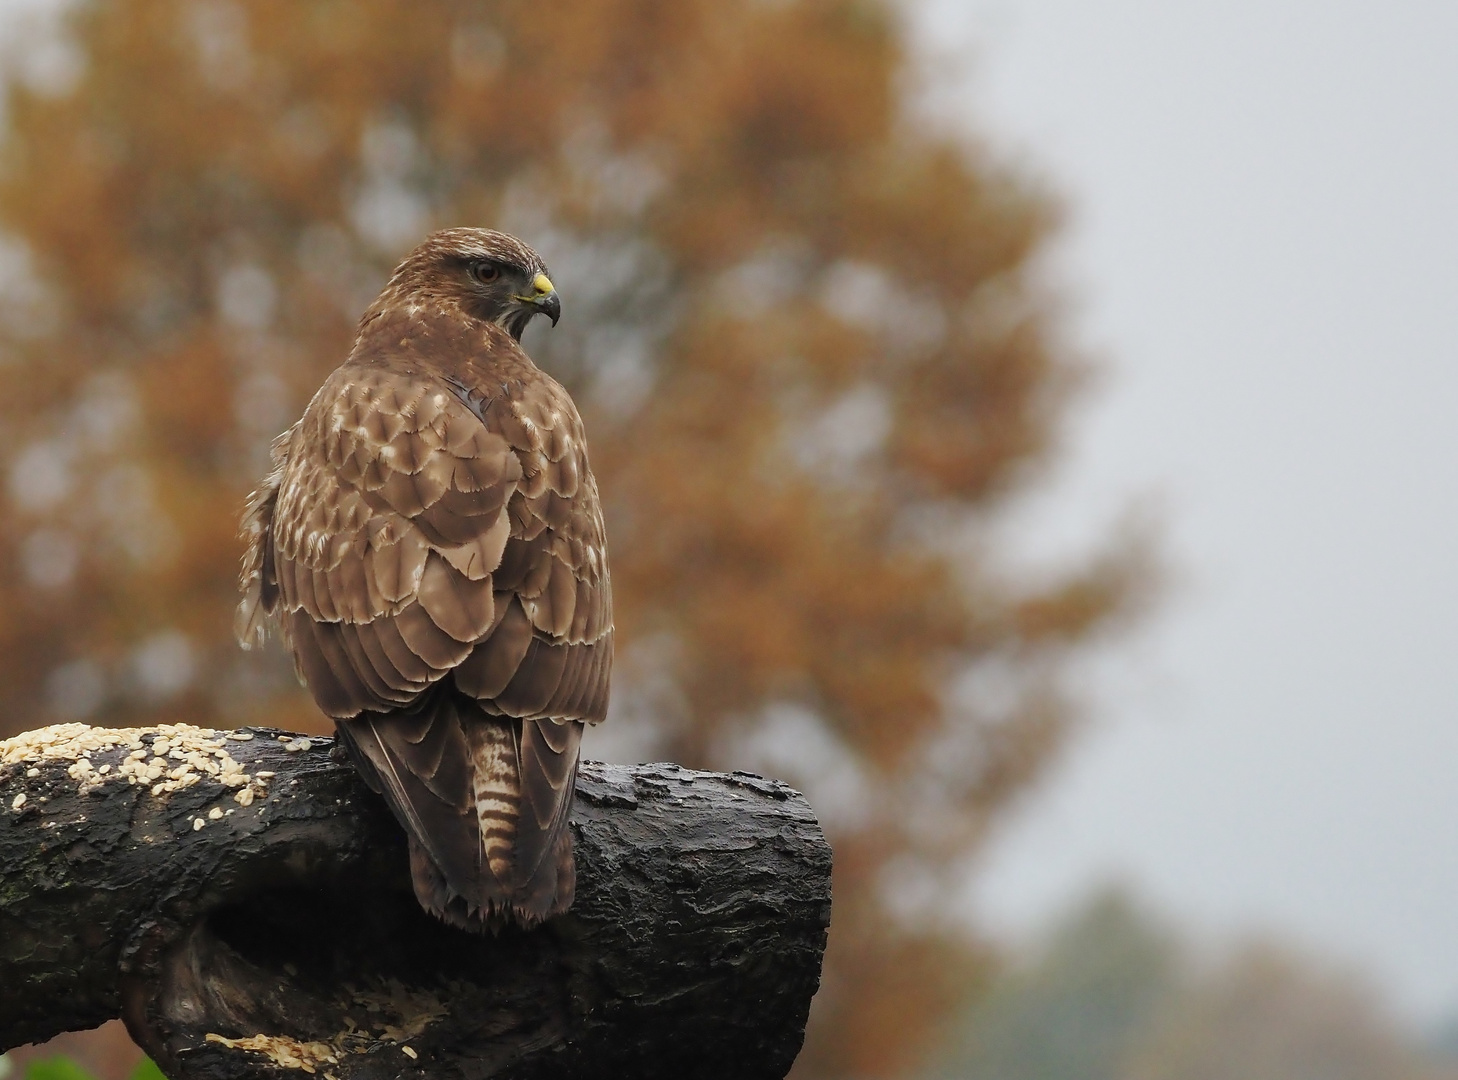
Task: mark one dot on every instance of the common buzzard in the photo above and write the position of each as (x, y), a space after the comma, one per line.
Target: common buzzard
(431, 542)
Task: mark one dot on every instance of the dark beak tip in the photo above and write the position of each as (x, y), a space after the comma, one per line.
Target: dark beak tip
(552, 308)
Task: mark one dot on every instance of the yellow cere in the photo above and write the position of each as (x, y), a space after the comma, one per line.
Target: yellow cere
(543, 284)
(180, 756)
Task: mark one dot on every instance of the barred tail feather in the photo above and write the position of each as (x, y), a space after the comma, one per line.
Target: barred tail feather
(496, 790)
(484, 800)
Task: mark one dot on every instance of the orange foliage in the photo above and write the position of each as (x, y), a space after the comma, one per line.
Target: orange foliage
(797, 321)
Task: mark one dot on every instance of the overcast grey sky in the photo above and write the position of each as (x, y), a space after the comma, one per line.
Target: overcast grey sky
(1264, 244)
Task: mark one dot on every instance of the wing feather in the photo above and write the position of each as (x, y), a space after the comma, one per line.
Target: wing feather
(493, 662)
(428, 641)
(407, 663)
(535, 680)
(373, 669)
(407, 682)
(324, 667)
(463, 608)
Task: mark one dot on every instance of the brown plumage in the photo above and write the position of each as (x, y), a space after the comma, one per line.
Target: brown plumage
(431, 542)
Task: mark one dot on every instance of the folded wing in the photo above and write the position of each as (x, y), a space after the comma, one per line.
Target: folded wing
(437, 562)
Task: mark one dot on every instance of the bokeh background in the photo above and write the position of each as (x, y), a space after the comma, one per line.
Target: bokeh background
(1025, 425)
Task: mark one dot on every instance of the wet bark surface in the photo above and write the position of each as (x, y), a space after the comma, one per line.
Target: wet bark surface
(260, 922)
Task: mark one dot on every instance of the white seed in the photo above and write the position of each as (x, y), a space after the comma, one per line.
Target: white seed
(32, 772)
(409, 1052)
(215, 813)
(18, 802)
(197, 823)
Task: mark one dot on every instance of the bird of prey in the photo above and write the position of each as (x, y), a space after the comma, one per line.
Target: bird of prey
(431, 543)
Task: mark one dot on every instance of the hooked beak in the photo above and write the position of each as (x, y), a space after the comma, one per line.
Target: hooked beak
(544, 298)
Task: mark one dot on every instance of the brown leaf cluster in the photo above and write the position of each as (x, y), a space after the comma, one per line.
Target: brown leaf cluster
(799, 320)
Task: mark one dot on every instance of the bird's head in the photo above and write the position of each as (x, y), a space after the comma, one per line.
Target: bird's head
(488, 274)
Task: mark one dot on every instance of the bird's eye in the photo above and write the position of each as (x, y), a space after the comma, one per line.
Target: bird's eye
(485, 272)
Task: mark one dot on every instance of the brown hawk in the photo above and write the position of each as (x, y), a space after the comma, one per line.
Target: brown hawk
(431, 541)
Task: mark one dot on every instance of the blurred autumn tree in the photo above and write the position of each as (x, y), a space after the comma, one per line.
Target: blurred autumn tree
(799, 320)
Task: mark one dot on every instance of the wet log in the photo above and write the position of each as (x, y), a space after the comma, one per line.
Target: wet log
(241, 900)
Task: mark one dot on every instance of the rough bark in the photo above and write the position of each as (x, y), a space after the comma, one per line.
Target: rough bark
(267, 901)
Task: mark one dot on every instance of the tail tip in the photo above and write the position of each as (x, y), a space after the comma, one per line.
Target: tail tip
(491, 914)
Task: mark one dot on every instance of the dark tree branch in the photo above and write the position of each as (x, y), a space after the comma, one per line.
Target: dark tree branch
(258, 919)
